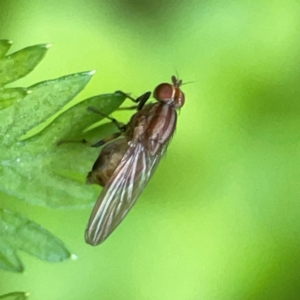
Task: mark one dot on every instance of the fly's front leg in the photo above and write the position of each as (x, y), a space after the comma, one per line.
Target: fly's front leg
(141, 100)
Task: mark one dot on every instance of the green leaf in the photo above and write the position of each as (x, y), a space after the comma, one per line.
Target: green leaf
(19, 233)
(70, 152)
(20, 63)
(46, 98)
(8, 97)
(71, 123)
(35, 169)
(4, 47)
(39, 171)
(9, 260)
(15, 296)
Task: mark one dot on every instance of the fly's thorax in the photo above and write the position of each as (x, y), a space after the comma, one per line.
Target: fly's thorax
(170, 94)
(153, 126)
(138, 122)
(161, 124)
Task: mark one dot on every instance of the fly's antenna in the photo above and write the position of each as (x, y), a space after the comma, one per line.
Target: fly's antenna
(177, 74)
(188, 82)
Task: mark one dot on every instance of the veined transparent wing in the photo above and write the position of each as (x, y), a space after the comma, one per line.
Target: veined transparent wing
(122, 190)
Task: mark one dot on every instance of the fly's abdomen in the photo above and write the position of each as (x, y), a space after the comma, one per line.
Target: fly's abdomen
(107, 162)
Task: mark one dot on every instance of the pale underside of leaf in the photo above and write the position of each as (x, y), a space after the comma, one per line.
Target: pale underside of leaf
(20, 63)
(20, 233)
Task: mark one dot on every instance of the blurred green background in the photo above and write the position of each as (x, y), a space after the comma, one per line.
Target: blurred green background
(220, 218)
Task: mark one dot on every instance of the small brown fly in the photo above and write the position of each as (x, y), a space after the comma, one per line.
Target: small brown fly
(126, 164)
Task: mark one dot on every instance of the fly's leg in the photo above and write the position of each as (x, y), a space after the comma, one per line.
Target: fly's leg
(141, 100)
(106, 140)
(121, 127)
(134, 107)
(83, 141)
(95, 145)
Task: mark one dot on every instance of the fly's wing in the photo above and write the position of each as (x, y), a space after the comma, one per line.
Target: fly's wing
(122, 191)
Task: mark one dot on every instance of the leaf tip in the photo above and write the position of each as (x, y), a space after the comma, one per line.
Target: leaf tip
(92, 72)
(8, 42)
(20, 268)
(74, 256)
(45, 46)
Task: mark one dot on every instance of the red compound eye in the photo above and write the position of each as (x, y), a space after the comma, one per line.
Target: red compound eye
(164, 92)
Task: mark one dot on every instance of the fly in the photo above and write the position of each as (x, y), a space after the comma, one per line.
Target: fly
(126, 164)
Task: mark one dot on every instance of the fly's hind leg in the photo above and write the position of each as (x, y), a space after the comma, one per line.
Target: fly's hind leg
(94, 145)
(110, 154)
(108, 159)
(106, 140)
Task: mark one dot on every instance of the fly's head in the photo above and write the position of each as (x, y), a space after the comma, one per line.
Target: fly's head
(170, 93)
